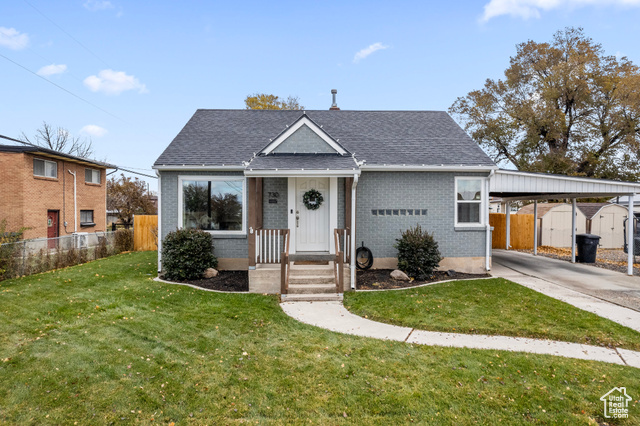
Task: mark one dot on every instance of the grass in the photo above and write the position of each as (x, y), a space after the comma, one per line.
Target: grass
(490, 306)
(101, 343)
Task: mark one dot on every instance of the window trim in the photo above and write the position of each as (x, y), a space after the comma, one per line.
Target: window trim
(218, 178)
(45, 168)
(482, 202)
(93, 170)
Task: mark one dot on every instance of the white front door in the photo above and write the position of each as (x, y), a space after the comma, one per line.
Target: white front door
(312, 226)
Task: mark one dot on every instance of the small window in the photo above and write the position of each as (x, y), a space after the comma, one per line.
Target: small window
(45, 168)
(91, 176)
(86, 218)
(469, 201)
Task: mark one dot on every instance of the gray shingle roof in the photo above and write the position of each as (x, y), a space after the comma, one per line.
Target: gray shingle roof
(229, 137)
(303, 162)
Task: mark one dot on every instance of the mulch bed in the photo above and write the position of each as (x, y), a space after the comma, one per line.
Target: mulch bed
(380, 279)
(225, 281)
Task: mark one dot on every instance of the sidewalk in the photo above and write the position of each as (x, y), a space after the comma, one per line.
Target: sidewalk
(333, 316)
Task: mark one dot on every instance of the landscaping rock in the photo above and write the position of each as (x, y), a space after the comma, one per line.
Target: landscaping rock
(210, 273)
(398, 275)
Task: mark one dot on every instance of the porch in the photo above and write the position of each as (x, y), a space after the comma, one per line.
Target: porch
(311, 254)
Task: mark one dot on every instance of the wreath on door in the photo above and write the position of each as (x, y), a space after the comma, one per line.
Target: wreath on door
(312, 199)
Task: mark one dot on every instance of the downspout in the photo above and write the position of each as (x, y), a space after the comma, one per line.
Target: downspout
(75, 199)
(352, 267)
(487, 256)
(159, 221)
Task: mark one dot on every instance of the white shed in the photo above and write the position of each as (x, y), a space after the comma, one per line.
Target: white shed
(554, 223)
(607, 221)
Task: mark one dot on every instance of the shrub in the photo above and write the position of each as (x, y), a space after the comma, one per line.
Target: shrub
(186, 253)
(418, 253)
(124, 240)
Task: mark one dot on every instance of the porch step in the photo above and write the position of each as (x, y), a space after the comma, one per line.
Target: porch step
(312, 279)
(311, 288)
(323, 297)
(312, 256)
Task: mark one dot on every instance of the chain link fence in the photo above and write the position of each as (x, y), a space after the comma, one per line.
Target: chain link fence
(26, 257)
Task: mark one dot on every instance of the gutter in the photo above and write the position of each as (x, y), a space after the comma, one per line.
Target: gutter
(352, 267)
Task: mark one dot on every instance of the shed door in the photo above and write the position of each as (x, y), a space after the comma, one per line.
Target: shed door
(611, 237)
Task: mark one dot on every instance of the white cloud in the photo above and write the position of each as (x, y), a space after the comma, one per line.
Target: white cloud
(368, 51)
(94, 130)
(13, 39)
(526, 9)
(95, 5)
(113, 82)
(52, 69)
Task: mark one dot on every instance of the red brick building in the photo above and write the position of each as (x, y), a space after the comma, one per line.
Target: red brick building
(37, 192)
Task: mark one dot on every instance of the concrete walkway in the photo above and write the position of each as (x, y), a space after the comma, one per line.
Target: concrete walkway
(582, 286)
(333, 316)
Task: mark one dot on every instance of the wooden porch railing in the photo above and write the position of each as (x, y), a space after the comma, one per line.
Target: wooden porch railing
(272, 247)
(342, 241)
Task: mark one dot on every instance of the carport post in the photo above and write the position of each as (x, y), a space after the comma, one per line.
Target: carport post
(508, 225)
(630, 235)
(535, 228)
(573, 230)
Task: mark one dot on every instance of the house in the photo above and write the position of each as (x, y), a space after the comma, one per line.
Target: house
(260, 180)
(51, 193)
(602, 219)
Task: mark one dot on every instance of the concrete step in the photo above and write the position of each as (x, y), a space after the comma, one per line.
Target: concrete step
(323, 297)
(312, 279)
(311, 288)
(324, 272)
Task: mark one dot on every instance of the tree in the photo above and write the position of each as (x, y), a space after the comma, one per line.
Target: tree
(563, 107)
(59, 139)
(265, 101)
(128, 197)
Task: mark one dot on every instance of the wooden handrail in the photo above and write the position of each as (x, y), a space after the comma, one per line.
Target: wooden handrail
(270, 244)
(285, 267)
(342, 255)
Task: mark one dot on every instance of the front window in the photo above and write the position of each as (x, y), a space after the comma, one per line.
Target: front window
(213, 204)
(45, 168)
(469, 201)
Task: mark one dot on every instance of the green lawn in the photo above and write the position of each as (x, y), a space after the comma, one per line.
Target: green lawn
(490, 306)
(102, 343)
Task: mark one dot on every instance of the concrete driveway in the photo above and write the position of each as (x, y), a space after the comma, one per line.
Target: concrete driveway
(611, 286)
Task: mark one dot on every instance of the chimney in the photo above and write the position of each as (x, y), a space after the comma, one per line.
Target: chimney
(334, 106)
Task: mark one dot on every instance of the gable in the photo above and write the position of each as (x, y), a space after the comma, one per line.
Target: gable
(304, 137)
(304, 141)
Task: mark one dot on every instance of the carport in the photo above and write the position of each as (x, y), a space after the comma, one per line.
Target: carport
(512, 185)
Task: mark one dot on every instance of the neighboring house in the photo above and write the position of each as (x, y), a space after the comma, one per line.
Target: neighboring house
(554, 223)
(602, 219)
(243, 175)
(51, 193)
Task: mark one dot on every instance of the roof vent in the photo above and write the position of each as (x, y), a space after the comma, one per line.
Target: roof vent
(334, 105)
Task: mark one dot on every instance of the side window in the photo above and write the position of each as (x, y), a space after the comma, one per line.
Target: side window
(86, 218)
(469, 201)
(45, 168)
(92, 176)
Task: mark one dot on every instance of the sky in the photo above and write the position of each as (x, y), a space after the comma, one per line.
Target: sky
(129, 75)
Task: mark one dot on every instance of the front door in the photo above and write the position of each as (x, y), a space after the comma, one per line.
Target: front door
(312, 226)
(52, 227)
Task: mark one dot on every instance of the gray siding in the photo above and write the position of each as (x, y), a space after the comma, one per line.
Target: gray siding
(274, 216)
(412, 190)
(341, 202)
(304, 140)
(224, 247)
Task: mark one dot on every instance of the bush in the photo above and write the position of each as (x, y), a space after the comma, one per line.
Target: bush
(418, 253)
(124, 240)
(186, 253)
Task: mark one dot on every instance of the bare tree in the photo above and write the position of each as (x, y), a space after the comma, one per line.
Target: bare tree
(59, 139)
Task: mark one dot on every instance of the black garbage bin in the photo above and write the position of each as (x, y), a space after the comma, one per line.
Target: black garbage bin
(587, 247)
